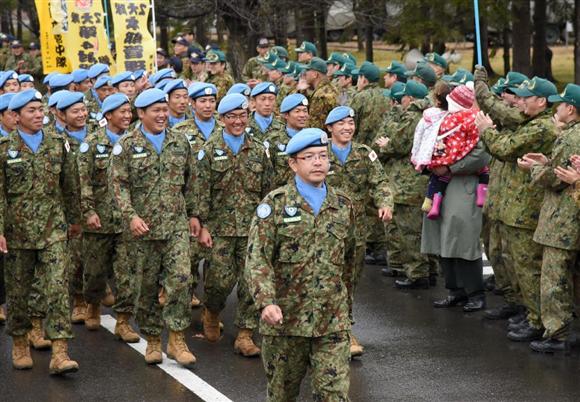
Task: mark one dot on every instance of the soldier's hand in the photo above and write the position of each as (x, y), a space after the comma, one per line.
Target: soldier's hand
(575, 159)
(537, 158)
(480, 73)
(194, 227)
(567, 175)
(3, 245)
(272, 315)
(74, 231)
(385, 214)
(525, 164)
(205, 238)
(302, 84)
(94, 222)
(138, 227)
(382, 141)
(483, 121)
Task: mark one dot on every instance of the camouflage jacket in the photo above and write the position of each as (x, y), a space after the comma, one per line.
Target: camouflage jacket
(321, 102)
(228, 187)
(194, 135)
(522, 200)
(303, 263)
(277, 141)
(223, 82)
(155, 187)
(96, 192)
(258, 134)
(576, 193)
(370, 107)
(253, 70)
(199, 77)
(28, 66)
(35, 189)
(559, 223)
(346, 95)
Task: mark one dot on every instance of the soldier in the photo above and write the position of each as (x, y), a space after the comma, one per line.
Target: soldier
(34, 52)
(280, 52)
(26, 81)
(141, 81)
(19, 61)
(424, 74)
(166, 74)
(60, 82)
(437, 63)
(356, 170)
(81, 81)
(9, 82)
(334, 63)
(520, 216)
(252, 72)
(8, 120)
(460, 77)
(233, 174)
(100, 90)
(218, 75)
(177, 102)
(263, 120)
(37, 176)
(306, 52)
(395, 72)
(124, 82)
(294, 110)
(152, 175)
(300, 273)
(347, 90)
(94, 73)
(181, 50)
(197, 65)
(55, 122)
(4, 49)
(324, 95)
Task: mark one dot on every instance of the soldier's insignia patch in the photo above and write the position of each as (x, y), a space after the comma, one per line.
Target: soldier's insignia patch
(101, 148)
(373, 156)
(45, 120)
(84, 148)
(219, 152)
(266, 144)
(102, 122)
(324, 138)
(281, 147)
(117, 149)
(66, 146)
(290, 211)
(12, 153)
(138, 150)
(263, 211)
(200, 155)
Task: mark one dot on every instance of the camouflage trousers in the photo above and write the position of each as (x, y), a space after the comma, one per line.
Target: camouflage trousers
(225, 270)
(50, 265)
(404, 243)
(287, 358)
(376, 236)
(105, 256)
(76, 269)
(163, 263)
(557, 291)
(525, 256)
(198, 253)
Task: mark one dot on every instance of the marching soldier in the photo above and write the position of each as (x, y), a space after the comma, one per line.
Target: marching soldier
(263, 121)
(252, 72)
(324, 95)
(218, 75)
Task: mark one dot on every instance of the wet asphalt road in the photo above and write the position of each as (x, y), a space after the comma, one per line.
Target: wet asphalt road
(413, 353)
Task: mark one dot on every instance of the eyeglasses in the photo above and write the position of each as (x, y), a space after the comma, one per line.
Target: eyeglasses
(234, 117)
(311, 157)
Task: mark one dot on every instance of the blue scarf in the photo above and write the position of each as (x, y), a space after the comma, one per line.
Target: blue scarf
(314, 196)
(155, 139)
(78, 135)
(263, 122)
(175, 120)
(206, 127)
(291, 131)
(33, 141)
(112, 136)
(234, 142)
(341, 153)
(59, 127)
(3, 132)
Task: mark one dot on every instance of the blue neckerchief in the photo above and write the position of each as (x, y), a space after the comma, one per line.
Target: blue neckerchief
(3, 132)
(175, 120)
(234, 142)
(314, 196)
(33, 141)
(341, 153)
(155, 139)
(59, 127)
(206, 127)
(78, 135)
(113, 137)
(263, 122)
(291, 132)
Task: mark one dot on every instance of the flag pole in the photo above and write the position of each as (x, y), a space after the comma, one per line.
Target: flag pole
(107, 26)
(154, 31)
(477, 32)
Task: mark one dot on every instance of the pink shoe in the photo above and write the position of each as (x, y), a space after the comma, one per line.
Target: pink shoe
(435, 209)
(481, 194)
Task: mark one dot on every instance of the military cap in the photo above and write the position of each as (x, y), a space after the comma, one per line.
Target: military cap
(23, 98)
(80, 75)
(55, 97)
(513, 80)
(7, 75)
(396, 67)
(162, 52)
(180, 40)
(339, 113)
(150, 97)
(15, 44)
(232, 102)
(461, 76)
(122, 77)
(174, 85)
(102, 81)
(161, 84)
(307, 47)
(263, 43)
(316, 64)
(138, 74)
(269, 58)
(196, 56)
(346, 70)
(47, 78)
(306, 138)
(264, 88)
(292, 101)
(414, 89)
(278, 64)
(113, 102)
(498, 87)
(33, 46)
(199, 89)
(68, 99)
(396, 89)
(215, 56)
(240, 88)
(25, 78)
(98, 69)
(350, 57)
(336, 58)
(280, 52)
(571, 96)
(369, 71)
(436, 58)
(163, 74)
(536, 87)
(424, 72)
(5, 101)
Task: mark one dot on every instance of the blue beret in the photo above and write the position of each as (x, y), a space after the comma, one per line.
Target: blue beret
(174, 85)
(102, 81)
(25, 78)
(122, 77)
(5, 101)
(292, 101)
(60, 80)
(199, 89)
(113, 102)
(98, 69)
(232, 102)
(239, 88)
(149, 97)
(264, 88)
(80, 75)
(308, 137)
(339, 113)
(161, 84)
(138, 74)
(166, 73)
(47, 78)
(68, 99)
(7, 75)
(23, 98)
(55, 97)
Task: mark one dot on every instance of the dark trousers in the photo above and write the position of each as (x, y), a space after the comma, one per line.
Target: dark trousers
(463, 277)
(2, 290)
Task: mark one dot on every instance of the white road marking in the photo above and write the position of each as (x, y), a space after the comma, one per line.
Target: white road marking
(184, 376)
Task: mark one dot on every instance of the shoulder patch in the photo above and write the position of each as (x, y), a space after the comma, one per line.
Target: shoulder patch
(84, 148)
(66, 145)
(373, 156)
(45, 120)
(117, 149)
(263, 211)
(200, 154)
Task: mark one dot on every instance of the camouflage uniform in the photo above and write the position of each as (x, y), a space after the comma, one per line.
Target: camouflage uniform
(258, 134)
(305, 265)
(277, 141)
(28, 66)
(93, 105)
(223, 82)
(520, 212)
(253, 70)
(157, 188)
(228, 189)
(201, 77)
(321, 101)
(186, 72)
(33, 218)
(346, 95)
(559, 232)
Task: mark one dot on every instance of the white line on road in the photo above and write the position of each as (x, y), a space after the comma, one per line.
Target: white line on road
(184, 376)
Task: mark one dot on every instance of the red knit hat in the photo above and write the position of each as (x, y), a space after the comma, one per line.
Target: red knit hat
(463, 96)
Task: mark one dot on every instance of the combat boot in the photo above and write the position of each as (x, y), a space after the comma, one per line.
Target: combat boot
(93, 317)
(21, 359)
(109, 298)
(245, 345)
(195, 302)
(153, 354)
(60, 363)
(36, 336)
(123, 329)
(177, 349)
(2, 316)
(356, 349)
(211, 325)
(79, 310)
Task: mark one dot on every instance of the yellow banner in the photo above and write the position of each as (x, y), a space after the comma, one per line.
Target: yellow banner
(133, 42)
(52, 17)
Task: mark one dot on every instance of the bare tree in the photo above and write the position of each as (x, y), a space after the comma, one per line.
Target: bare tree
(521, 41)
(577, 41)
